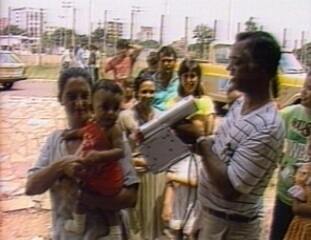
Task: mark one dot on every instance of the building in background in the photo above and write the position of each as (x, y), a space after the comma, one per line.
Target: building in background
(29, 19)
(145, 34)
(115, 30)
(4, 22)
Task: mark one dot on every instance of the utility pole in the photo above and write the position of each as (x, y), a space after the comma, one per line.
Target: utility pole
(302, 47)
(284, 38)
(132, 24)
(41, 33)
(105, 31)
(90, 24)
(229, 20)
(9, 27)
(239, 27)
(161, 29)
(186, 34)
(73, 32)
(215, 29)
(67, 4)
(295, 44)
(135, 9)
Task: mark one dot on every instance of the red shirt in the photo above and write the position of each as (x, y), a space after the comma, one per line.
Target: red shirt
(105, 178)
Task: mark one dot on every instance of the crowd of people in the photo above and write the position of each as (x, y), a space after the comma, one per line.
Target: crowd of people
(82, 57)
(100, 184)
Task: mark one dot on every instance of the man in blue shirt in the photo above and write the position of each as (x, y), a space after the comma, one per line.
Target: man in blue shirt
(166, 79)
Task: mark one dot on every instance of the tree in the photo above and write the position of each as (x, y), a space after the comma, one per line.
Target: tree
(13, 29)
(304, 55)
(251, 25)
(98, 35)
(61, 37)
(150, 44)
(82, 39)
(204, 35)
(47, 42)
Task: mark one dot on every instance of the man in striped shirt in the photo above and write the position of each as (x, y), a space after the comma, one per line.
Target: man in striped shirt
(239, 160)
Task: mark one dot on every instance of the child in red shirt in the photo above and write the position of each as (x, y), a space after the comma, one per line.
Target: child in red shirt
(100, 150)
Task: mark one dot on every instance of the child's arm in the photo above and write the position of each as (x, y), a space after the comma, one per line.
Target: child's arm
(117, 141)
(302, 209)
(174, 177)
(114, 154)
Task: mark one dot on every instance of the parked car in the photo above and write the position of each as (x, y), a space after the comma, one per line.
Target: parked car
(216, 78)
(11, 69)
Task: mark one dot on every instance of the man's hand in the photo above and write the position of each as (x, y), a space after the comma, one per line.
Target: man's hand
(207, 144)
(188, 132)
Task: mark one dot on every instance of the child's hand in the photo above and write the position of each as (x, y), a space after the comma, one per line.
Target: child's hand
(139, 161)
(140, 164)
(166, 213)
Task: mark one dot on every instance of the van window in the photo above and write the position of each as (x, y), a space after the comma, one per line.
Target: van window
(8, 58)
(289, 64)
(222, 53)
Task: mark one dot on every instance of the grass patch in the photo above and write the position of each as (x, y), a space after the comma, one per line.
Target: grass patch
(52, 71)
(42, 72)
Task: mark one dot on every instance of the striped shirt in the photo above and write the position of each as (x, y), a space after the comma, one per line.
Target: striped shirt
(250, 145)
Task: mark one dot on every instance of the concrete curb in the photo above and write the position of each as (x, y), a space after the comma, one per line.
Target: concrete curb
(40, 80)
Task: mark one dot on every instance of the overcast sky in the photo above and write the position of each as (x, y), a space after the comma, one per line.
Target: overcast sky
(273, 15)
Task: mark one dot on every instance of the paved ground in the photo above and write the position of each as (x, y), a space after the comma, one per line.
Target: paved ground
(28, 113)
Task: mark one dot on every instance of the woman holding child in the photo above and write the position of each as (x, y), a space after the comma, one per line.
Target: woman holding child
(59, 166)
